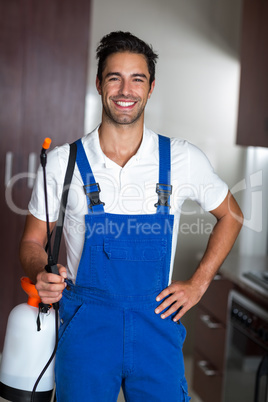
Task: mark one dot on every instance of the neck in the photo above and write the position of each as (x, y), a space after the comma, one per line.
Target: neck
(119, 143)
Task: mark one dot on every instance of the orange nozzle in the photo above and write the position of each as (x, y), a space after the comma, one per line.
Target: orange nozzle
(30, 289)
(46, 143)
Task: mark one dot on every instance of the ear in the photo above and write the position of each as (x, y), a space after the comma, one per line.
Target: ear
(151, 89)
(98, 85)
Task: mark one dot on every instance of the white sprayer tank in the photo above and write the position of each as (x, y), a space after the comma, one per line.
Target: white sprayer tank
(27, 350)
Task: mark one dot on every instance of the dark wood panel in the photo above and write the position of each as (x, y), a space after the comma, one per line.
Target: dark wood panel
(43, 72)
(215, 298)
(208, 387)
(211, 341)
(55, 65)
(11, 75)
(252, 126)
(209, 347)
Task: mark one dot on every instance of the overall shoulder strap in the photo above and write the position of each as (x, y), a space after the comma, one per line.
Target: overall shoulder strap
(164, 188)
(64, 198)
(91, 188)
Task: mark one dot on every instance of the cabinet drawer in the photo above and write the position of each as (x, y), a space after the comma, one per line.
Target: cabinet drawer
(207, 380)
(216, 297)
(210, 338)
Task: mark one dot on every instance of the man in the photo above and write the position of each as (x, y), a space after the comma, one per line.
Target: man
(119, 309)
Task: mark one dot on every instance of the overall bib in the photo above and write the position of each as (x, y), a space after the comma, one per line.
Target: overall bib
(109, 334)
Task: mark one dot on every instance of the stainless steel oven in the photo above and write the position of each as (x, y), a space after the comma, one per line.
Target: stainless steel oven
(246, 351)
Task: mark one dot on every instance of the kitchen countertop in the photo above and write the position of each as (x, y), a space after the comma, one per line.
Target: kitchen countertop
(236, 265)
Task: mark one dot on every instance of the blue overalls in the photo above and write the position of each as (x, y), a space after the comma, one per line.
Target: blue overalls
(109, 334)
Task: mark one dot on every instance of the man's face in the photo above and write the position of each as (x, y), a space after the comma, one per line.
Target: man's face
(125, 87)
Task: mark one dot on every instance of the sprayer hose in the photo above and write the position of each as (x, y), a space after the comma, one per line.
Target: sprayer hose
(51, 357)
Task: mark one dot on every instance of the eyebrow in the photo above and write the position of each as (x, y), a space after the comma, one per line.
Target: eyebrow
(132, 75)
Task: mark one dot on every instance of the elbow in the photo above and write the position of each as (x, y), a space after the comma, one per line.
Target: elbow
(238, 219)
(241, 220)
(235, 213)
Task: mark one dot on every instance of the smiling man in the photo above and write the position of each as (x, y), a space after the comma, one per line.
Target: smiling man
(125, 87)
(119, 310)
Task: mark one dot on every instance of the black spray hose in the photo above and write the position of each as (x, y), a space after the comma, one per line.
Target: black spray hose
(50, 359)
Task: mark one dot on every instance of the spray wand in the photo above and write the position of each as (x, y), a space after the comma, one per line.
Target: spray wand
(51, 266)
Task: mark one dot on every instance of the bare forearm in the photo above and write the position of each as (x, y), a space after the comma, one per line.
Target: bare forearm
(219, 245)
(181, 296)
(33, 259)
(184, 295)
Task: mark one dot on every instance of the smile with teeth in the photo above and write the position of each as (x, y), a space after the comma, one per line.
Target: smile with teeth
(125, 104)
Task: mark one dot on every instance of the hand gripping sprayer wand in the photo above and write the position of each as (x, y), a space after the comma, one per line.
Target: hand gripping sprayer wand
(51, 266)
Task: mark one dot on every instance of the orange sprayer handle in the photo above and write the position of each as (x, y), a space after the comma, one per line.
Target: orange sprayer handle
(46, 143)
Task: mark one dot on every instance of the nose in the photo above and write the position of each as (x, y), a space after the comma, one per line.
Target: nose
(125, 87)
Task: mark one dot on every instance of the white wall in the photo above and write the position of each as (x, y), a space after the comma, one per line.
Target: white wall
(197, 85)
(198, 69)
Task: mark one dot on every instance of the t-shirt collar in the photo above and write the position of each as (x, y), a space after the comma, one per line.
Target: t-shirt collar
(133, 160)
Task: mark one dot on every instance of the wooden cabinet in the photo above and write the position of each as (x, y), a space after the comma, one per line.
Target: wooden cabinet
(43, 69)
(252, 127)
(209, 346)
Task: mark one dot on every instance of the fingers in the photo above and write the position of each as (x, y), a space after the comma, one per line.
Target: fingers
(181, 312)
(51, 297)
(177, 300)
(50, 286)
(169, 311)
(62, 271)
(170, 305)
(171, 289)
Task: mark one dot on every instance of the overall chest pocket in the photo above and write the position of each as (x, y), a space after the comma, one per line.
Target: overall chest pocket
(128, 268)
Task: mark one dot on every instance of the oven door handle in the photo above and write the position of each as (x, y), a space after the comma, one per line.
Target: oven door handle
(262, 371)
(208, 370)
(207, 320)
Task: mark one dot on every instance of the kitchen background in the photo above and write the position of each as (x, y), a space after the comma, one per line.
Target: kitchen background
(196, 97)
(49, 90)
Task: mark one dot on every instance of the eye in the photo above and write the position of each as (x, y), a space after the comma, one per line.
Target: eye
(138, 80)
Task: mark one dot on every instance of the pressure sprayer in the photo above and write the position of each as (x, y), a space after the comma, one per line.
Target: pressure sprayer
(31, 335)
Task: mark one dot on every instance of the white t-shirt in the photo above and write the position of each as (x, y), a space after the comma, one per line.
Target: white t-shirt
(125, 190)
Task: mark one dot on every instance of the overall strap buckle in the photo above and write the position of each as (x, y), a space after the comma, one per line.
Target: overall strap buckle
(164, 191)
(92, 191)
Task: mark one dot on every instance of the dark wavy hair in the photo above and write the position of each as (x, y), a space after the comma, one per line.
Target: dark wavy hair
(119, 41)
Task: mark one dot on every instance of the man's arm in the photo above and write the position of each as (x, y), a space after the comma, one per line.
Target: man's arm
(185, 294)
(33, 258)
